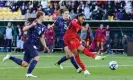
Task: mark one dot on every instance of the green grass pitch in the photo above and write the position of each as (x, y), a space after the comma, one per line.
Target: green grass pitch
(46, 70)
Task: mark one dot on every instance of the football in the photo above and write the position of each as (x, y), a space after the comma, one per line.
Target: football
(113, 65)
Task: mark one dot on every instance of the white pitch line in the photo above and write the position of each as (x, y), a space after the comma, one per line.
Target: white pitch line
(68, 66)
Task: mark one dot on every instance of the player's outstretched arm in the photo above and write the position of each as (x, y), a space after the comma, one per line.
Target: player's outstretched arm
(27, 27)
(44, 43)
(84, 28)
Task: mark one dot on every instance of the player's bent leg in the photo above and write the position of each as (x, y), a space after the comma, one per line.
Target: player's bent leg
(73, 45)
(68, 52)
(32, 66)
(72, 59)
(86, 51)
(90, 54)
(14, 59)
(7, 57)
(78, 60)
(37, 58)
(81, 64)
(63, 59)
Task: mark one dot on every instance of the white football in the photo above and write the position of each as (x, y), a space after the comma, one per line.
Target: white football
(113, 65)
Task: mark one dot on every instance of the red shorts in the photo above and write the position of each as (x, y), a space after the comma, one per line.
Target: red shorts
(100, 39)
(87, 40)
(72, 43)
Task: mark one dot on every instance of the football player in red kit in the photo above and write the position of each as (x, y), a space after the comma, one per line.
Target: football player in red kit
(100, 37)
(72, 40)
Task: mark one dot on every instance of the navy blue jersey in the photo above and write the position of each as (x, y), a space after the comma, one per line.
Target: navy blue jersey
(35, 33)
(61, 26)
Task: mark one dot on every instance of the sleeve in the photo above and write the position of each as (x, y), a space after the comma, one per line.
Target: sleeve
(31, 27)
(29, 23)
(76, 25)
(41, 32)
(57, 21)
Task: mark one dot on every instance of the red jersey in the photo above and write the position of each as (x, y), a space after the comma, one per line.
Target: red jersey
(100, 33)
(73, 28)
(49, 35)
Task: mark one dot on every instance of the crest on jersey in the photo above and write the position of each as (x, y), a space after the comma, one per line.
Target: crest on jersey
(65, 26)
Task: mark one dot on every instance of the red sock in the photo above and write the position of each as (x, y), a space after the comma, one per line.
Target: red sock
(88, 53)
(80, 63)
(101, 51)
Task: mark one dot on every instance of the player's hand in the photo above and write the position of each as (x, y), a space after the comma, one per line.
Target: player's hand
(47, 49)
(83, 40)
(87, 26)
(107, 27)
(84, 28)
(13, 38)
(4, 38)
(50, 27)
(34, 23)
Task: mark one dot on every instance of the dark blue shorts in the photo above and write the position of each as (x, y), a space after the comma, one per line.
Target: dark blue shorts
(30, 51)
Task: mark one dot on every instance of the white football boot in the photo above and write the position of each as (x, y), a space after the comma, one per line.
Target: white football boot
(100, 57)
(59, 65)
(6, 57)
(86, 72)
(79, 70)
(30, 75)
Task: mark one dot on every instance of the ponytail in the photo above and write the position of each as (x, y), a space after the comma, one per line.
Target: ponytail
(78, 15)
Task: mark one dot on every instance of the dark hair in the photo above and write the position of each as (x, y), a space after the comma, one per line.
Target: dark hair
(31, 19)
(39, 13)
(80, 14)
(63, 10)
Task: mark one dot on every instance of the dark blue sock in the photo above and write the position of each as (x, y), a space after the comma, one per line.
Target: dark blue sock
(16, 60)
(74, 62)
(32, 66)
(62, 60)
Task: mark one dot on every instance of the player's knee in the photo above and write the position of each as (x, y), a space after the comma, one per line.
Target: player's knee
(37, 58)
(101, 44)
(68, 52)
(24, 64)
(81, 48)
(67, 56)
(75, 53)
(76, 56)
